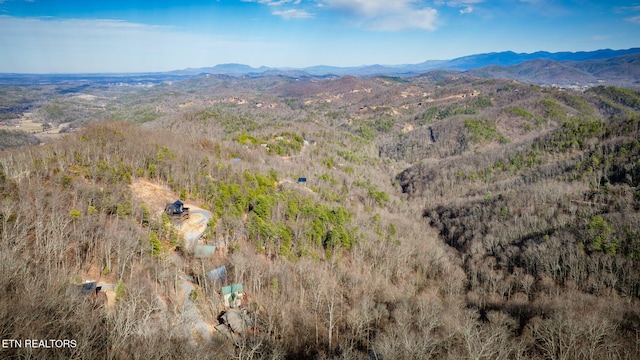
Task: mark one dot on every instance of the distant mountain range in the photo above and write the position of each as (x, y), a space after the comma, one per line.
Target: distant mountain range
(506, 58)
(575, 69)
(585, 68)
(509, 58)
(620, 71)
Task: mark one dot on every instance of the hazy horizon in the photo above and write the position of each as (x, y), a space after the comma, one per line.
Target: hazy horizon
(40, 36)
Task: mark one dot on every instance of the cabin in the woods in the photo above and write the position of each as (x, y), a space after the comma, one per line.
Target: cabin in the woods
(94, 293)
(177, 210)
(232, 295)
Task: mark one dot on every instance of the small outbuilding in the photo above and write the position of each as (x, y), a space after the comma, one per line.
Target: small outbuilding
(201, 251)
(218, 275)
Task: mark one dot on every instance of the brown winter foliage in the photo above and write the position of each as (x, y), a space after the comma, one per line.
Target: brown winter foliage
(457, 219)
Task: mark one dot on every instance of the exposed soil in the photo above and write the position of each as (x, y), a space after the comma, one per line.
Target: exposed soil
(157, 196)
(154, 195)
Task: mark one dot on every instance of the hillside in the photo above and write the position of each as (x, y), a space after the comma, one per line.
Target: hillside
(618, 71)
(464, 63)
(432, 216)
(510, 58)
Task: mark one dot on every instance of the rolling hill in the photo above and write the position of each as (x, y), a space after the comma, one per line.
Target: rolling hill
(441, 216)
(471, 62)
(619, 71)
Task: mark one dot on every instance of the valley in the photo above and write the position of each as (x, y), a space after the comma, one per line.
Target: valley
(440, 215)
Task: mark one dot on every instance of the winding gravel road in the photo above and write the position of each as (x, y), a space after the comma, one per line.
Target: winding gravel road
(192, 237)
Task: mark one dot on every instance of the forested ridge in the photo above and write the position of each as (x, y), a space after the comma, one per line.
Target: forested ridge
(439, 217)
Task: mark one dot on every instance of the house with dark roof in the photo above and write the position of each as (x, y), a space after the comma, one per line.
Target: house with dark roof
(176, 210)
(93, 292)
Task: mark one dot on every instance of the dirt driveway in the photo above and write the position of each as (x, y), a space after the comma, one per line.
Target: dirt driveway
(157, 196)
(193, 228)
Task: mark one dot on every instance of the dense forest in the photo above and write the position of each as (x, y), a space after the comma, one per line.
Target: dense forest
(439, 217)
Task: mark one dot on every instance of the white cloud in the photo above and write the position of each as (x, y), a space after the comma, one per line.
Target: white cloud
(293, 14)
(633, 19)
(369, 7)
(274, 2)
(635, 8)
(466, 6)
(385, 15)
(290, 13)
(461, 3)
(417, 19)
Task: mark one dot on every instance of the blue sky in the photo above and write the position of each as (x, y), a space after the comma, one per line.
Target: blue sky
(55, 36)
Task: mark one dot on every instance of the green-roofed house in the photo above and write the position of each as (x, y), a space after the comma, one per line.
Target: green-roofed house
(233, 295)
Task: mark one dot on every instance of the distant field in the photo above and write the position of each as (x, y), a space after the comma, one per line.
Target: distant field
(30, 126)
(26, 124)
